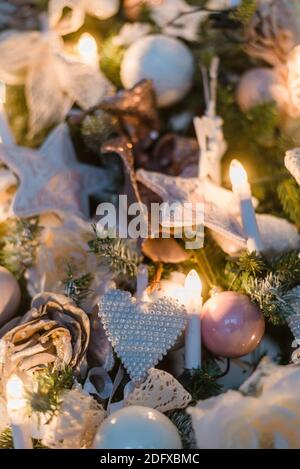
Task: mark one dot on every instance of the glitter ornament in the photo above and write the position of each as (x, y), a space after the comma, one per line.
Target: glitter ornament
(10, 296)
(140, 332)
(166, 61)
(231, 325)
(137, 427)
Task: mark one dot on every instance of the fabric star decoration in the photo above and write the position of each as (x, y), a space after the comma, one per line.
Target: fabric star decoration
(51, 179)
(216, 200)
(53, 80)
(178, 18)
(66, 24)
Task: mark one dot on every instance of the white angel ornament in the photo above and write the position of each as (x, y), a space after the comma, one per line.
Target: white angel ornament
(209, 130)
(53, 80)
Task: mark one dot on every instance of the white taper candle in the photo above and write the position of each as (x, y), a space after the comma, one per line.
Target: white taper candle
(242, 190)
(193, 303)
(16, 407)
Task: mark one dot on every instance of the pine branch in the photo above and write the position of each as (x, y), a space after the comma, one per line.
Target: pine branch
(116, 254)
(289, 196)
(49, 386)
(183, 422)
(19, 244)
(287, 267)
(244, 12)
(268, 293)
(6, 441)
(202, 383)
(77, 288)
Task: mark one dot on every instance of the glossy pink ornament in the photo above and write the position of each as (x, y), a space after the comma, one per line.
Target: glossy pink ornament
(231, 325)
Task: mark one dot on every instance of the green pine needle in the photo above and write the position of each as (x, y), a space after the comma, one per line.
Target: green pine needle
(116, 254)
(289, 196)
(49, 386)
(202, 383)
(77, 288)
(245, 11)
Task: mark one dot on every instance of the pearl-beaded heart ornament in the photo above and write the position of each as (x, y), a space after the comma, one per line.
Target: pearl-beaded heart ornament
(141, 333)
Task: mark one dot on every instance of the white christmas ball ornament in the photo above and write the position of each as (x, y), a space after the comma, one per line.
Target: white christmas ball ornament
(164, 60)
(10, 296)
(137, 427)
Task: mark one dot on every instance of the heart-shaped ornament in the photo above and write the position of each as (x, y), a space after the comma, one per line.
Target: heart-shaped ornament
(141, 333)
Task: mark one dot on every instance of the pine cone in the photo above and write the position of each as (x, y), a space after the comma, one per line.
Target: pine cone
(292, 163)
(54, 331)
(274, 30)
(20, 14)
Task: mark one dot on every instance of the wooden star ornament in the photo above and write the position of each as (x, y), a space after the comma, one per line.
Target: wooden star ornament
(51, 179)
(216, 200)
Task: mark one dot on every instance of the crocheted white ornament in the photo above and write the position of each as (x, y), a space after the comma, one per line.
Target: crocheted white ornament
(161, 391)
(76, 424)
(292, 163)
(140, 333)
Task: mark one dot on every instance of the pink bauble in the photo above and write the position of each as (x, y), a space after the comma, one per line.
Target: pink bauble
(231, 325)
(258, 86)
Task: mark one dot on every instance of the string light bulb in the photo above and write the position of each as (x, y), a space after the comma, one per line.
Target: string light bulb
(88, 50)
(237, 173)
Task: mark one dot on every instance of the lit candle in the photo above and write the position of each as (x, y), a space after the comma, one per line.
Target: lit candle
(16, 407)
(6, 136)
(88, 51)
(242, 190)
(193, 303)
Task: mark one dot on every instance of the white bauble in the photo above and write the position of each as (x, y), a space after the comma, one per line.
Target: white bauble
(258, 86)
(164, 60)
(10, 296)
(137, 427)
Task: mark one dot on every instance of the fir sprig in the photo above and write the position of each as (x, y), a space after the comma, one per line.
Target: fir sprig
(244, 12)
(6, 441)
(116, 254)
(267, 283)
(77, 288)
(269, 294)
(18, 244)
(45, 399)
(289, 196)
(202, 383)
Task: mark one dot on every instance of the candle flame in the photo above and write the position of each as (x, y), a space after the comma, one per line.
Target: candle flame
(237, 173)
(87, 48)
(14, 388)
(193, 284)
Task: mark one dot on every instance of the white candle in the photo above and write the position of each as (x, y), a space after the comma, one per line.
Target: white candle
(6, 136)
(142, 283)
(16, 407)
(193, 302)
(242, 190)
(88, 51)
